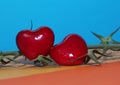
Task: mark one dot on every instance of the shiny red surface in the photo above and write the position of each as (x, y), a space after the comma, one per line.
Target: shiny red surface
(34, 43)
(72, 51)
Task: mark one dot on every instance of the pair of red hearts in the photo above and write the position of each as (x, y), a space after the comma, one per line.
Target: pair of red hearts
(72, 51)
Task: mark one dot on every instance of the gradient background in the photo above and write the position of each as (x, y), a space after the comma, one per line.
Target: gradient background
(63, 16)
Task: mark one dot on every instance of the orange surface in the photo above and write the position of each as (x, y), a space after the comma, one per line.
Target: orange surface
(106, 74)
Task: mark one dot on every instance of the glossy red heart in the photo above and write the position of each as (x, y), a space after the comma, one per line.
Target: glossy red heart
(72, 51)
(34, 43)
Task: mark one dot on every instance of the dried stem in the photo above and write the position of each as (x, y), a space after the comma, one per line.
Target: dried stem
(101, 46)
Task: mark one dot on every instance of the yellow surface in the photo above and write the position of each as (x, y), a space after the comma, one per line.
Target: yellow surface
(6, 73)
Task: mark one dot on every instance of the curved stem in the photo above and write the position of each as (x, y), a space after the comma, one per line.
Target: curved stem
(93, 57)
(31, 26)
(41, 61)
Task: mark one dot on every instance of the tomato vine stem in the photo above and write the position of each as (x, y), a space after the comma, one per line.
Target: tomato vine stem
(101, 46)
(97, 46)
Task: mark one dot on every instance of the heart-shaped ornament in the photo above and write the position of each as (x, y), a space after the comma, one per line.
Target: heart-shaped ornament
(34, 43)
(71, 51)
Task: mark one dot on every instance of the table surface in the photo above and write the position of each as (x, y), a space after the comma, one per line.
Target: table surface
(105, 74)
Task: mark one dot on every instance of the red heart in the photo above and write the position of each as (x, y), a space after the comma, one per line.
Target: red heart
(34, 43)
(72, 51)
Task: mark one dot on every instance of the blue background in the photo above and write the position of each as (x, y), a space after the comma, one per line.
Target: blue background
(63, 16)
